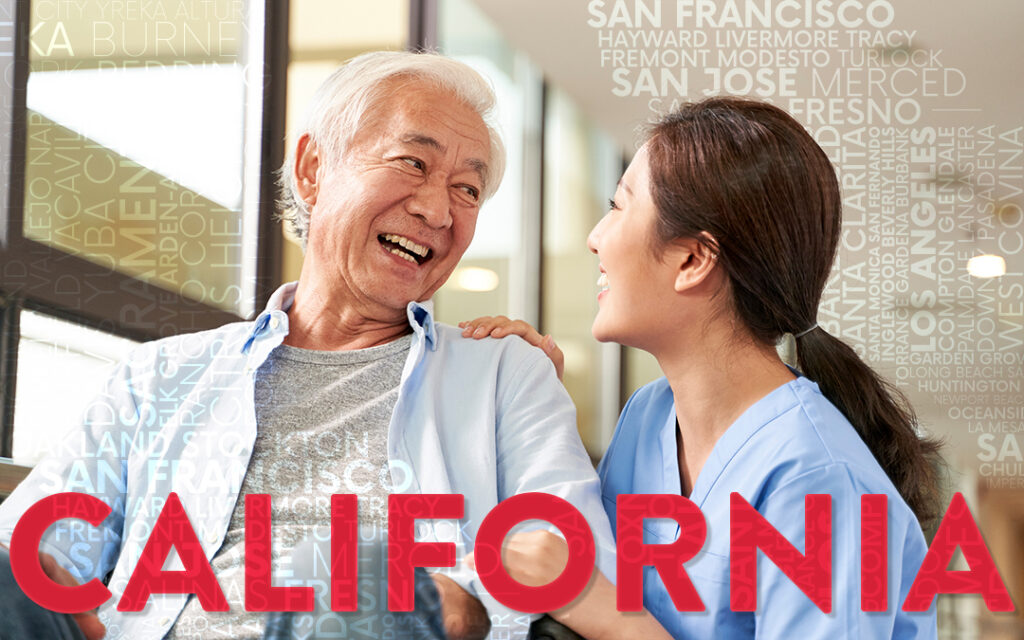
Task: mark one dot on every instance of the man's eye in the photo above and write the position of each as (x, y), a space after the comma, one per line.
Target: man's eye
(415, 163)
(471, 191)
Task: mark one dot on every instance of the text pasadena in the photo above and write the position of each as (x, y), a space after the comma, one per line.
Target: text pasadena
(748, 530)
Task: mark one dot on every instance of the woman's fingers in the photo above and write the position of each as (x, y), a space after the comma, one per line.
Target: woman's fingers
(501, 327)
(481, 327)
(519, 328)
(556, 355)
(497, 327)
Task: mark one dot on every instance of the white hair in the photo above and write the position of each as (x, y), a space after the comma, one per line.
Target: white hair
(339, 108)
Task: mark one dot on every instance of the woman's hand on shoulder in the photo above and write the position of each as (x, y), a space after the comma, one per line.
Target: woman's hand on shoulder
(501, 326)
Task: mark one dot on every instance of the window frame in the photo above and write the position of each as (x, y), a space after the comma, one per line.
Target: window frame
(39, 277)
(47, 271)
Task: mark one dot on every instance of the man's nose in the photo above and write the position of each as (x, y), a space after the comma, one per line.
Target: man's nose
(431, 202)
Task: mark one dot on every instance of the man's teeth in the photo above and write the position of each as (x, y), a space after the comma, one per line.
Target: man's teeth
(402, 254)
(602, 281)
(406, 243)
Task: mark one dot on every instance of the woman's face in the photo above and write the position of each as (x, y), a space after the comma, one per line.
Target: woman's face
(636, 287)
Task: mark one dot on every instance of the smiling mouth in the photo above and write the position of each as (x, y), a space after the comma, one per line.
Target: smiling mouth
(405, 248)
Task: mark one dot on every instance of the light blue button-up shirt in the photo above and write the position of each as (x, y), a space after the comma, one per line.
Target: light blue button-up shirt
(487, 419)
(790, 443)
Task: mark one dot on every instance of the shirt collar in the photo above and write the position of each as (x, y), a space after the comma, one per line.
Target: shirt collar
(421, 319)
(274, 318)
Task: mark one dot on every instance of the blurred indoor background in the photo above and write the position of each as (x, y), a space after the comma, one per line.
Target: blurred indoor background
(138, 200)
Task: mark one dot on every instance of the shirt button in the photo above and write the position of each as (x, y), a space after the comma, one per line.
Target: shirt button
(248, 370)
(164, 621)
(211, 538)
(274, 323)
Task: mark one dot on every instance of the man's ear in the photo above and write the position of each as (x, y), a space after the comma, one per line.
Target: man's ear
(696, 258)
(307, 163)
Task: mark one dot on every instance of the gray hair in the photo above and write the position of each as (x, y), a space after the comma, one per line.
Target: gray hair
(339, 106)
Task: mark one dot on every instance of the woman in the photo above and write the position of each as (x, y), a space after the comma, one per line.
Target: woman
(719, 241)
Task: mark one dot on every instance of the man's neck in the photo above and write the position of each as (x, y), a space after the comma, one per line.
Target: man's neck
(328, 320)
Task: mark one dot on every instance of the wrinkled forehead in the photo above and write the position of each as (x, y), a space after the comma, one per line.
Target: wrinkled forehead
(421, 113)
(403, 95)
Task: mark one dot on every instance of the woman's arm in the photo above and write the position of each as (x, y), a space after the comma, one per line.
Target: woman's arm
(593, 615)
(536, 558)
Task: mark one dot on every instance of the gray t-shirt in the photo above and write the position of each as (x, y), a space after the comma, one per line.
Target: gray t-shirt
(322, 428)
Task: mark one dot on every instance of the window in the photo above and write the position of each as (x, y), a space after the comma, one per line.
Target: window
(136, 182)
(499, 273)
(137, 203)
(61, 366)
(529, 252)
(581, 169)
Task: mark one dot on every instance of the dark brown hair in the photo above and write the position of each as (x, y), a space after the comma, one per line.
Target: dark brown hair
(749, 176)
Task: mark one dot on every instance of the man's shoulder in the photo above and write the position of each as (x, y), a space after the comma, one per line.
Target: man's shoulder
(498, 351)
(508, 365)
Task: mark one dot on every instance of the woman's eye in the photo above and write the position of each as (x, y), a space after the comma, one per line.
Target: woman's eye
(414, 163)
(612, 204)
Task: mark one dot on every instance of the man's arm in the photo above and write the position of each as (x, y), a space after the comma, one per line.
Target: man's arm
(80, 463)
(536, 448)
(540, 392)
(539, 447)
(88, 459)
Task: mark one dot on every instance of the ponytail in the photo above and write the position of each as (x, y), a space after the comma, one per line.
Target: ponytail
(749, 178)
(881, 415)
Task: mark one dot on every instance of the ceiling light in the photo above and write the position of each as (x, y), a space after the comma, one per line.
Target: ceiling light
(986, 266)
(476, 279)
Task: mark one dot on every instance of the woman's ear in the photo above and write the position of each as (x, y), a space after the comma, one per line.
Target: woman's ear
(307, 163)
(697, 259)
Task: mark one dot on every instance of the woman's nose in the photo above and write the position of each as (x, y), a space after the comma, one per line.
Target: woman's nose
(595, 236)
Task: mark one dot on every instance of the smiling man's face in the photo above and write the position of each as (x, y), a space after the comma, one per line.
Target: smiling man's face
(395, 215)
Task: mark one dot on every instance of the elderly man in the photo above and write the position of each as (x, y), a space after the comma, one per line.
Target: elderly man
(344, 384)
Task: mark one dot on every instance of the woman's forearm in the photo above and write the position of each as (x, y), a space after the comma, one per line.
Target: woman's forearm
(593, 615)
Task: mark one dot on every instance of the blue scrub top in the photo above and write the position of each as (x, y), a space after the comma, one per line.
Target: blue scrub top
(790, 443)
